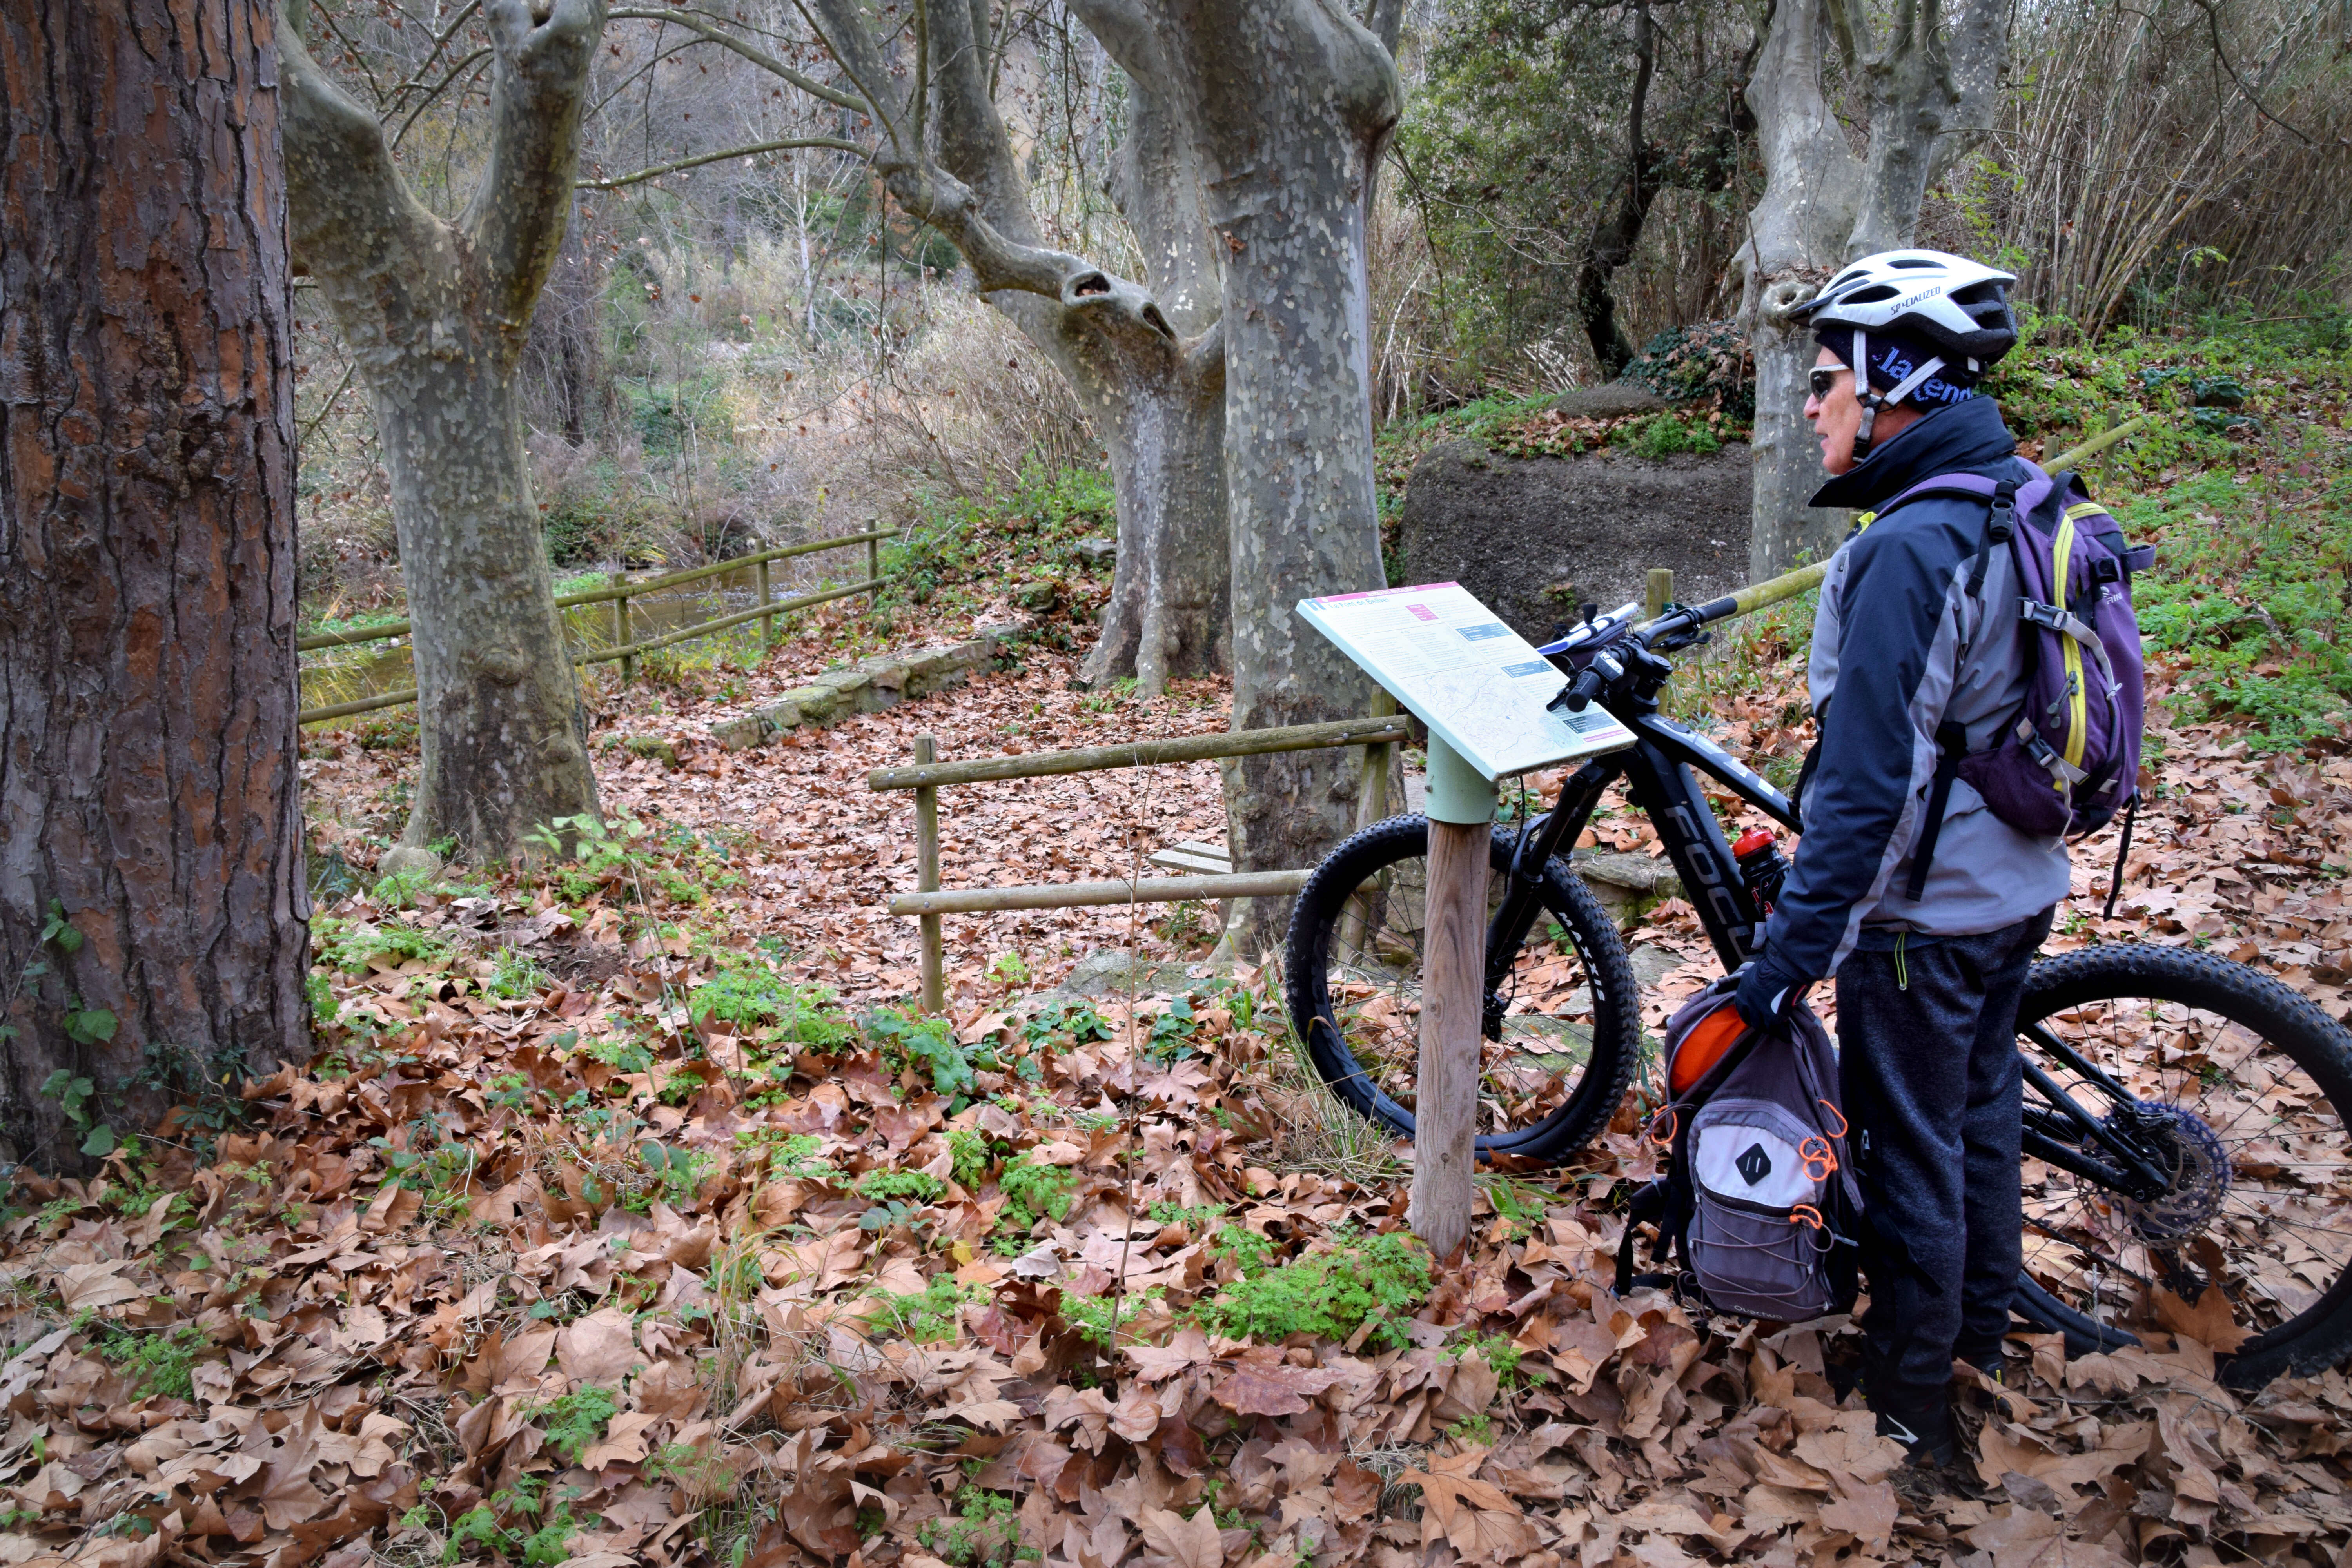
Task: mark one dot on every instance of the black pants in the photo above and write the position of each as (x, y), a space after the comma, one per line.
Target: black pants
(1928, 1064)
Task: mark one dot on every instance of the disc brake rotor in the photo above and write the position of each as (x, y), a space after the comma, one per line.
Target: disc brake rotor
(2189, 1156)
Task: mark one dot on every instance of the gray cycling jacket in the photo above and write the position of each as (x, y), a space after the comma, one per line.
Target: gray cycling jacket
(1899, 647)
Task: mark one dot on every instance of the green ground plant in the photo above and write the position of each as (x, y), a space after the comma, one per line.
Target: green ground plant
(929, 1315)
(983, 1529)
(1031, 1192)
(910, 1040)
(159, 1363)
(920, 1185)
(1358, 1282)
(347, 945)
(575, 1421)
(2248, 592)
(749, 993)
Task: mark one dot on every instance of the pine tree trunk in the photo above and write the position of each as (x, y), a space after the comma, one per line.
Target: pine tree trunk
(148, 786)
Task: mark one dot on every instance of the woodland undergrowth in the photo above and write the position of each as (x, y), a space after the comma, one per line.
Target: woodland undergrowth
(630, 1213)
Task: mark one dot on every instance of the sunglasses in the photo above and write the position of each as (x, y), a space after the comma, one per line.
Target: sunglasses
(1824, 378)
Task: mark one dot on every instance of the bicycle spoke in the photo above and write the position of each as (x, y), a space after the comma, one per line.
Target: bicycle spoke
(1541, 1026)
(2251, 1147)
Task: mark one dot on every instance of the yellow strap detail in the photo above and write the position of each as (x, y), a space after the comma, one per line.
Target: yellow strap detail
(2078, 714)
(2083, 508)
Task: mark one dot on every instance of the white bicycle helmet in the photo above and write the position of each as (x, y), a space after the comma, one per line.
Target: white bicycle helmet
(1955, 307)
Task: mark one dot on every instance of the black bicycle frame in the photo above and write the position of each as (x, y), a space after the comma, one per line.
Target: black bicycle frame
(1658, 773)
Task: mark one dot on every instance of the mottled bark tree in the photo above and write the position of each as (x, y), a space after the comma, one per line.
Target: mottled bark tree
(1235, 385)
(1928, 86)
(437, 314)
(1146, 357)
(1290, 104)
(152, 901)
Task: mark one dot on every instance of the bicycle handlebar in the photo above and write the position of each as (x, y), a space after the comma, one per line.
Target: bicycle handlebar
(1579, 692)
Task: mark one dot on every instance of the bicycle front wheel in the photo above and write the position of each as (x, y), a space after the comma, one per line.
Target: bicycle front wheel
(2186, 1160)
(1561, 1026)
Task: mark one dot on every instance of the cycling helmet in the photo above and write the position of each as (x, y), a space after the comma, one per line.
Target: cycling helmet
(1955, 309)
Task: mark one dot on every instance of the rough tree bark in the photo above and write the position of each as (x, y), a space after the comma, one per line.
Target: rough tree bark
(148, 786)
(1928, 86)
(437, 314)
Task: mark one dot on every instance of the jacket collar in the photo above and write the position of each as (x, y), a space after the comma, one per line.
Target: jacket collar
(1960, 437)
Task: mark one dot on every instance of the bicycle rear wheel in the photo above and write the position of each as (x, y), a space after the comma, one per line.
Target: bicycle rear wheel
(1562, 1029)
(2185, 1131)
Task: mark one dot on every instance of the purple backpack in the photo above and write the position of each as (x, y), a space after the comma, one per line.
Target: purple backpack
(2069, 759)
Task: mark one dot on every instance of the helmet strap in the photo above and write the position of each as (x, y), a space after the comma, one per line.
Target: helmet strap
(1871, 400)
(1864, 394)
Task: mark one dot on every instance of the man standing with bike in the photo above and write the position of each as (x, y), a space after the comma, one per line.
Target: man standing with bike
(1926, 907)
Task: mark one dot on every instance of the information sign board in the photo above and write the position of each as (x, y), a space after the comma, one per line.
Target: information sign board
(1451, 663)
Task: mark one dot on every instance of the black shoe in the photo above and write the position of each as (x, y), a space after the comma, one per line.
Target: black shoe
(1922, 1422)
(1994, 1361)
(2003, 1371)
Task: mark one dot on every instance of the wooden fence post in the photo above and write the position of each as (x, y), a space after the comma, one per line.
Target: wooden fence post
(873, 562)
(1371, 805)
(767, 623)
(621, 634)
(1661, 593)
(1461, 809)
(1372, 800)
(926, 876)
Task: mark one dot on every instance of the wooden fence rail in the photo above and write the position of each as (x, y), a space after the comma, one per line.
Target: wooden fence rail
(1375, 732)
(627, 651)
(872, 541)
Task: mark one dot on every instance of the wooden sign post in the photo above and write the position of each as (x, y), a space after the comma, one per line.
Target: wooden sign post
(1461, 809)
(1485, 692)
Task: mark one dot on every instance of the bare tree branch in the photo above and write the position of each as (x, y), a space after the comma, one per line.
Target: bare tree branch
(517, 216)
(433, 95)
(440, 41)
(711, 32)
(2213, 21)
(834, 143)
(363, 211)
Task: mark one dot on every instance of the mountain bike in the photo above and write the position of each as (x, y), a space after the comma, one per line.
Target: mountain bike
(2184, 1115)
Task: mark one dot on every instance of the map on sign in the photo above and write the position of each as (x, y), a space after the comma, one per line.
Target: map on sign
(1450, 662)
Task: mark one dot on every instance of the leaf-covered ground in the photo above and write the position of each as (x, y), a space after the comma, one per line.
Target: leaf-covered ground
(628, 1213)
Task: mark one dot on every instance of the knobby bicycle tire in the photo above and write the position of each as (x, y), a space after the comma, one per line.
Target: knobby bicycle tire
(2263, 1208)
(1361, 880)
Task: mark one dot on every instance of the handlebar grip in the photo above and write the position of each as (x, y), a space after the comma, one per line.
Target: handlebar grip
(1581, 691)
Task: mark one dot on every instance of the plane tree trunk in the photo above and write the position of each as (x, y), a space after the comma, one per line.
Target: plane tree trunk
(1928, 83)
(1232, 386)
(151, 899)
(1291, 106)
(1146, 357)
(436, 314)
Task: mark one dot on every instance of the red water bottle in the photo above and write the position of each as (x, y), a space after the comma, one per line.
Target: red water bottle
(1761, 865)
